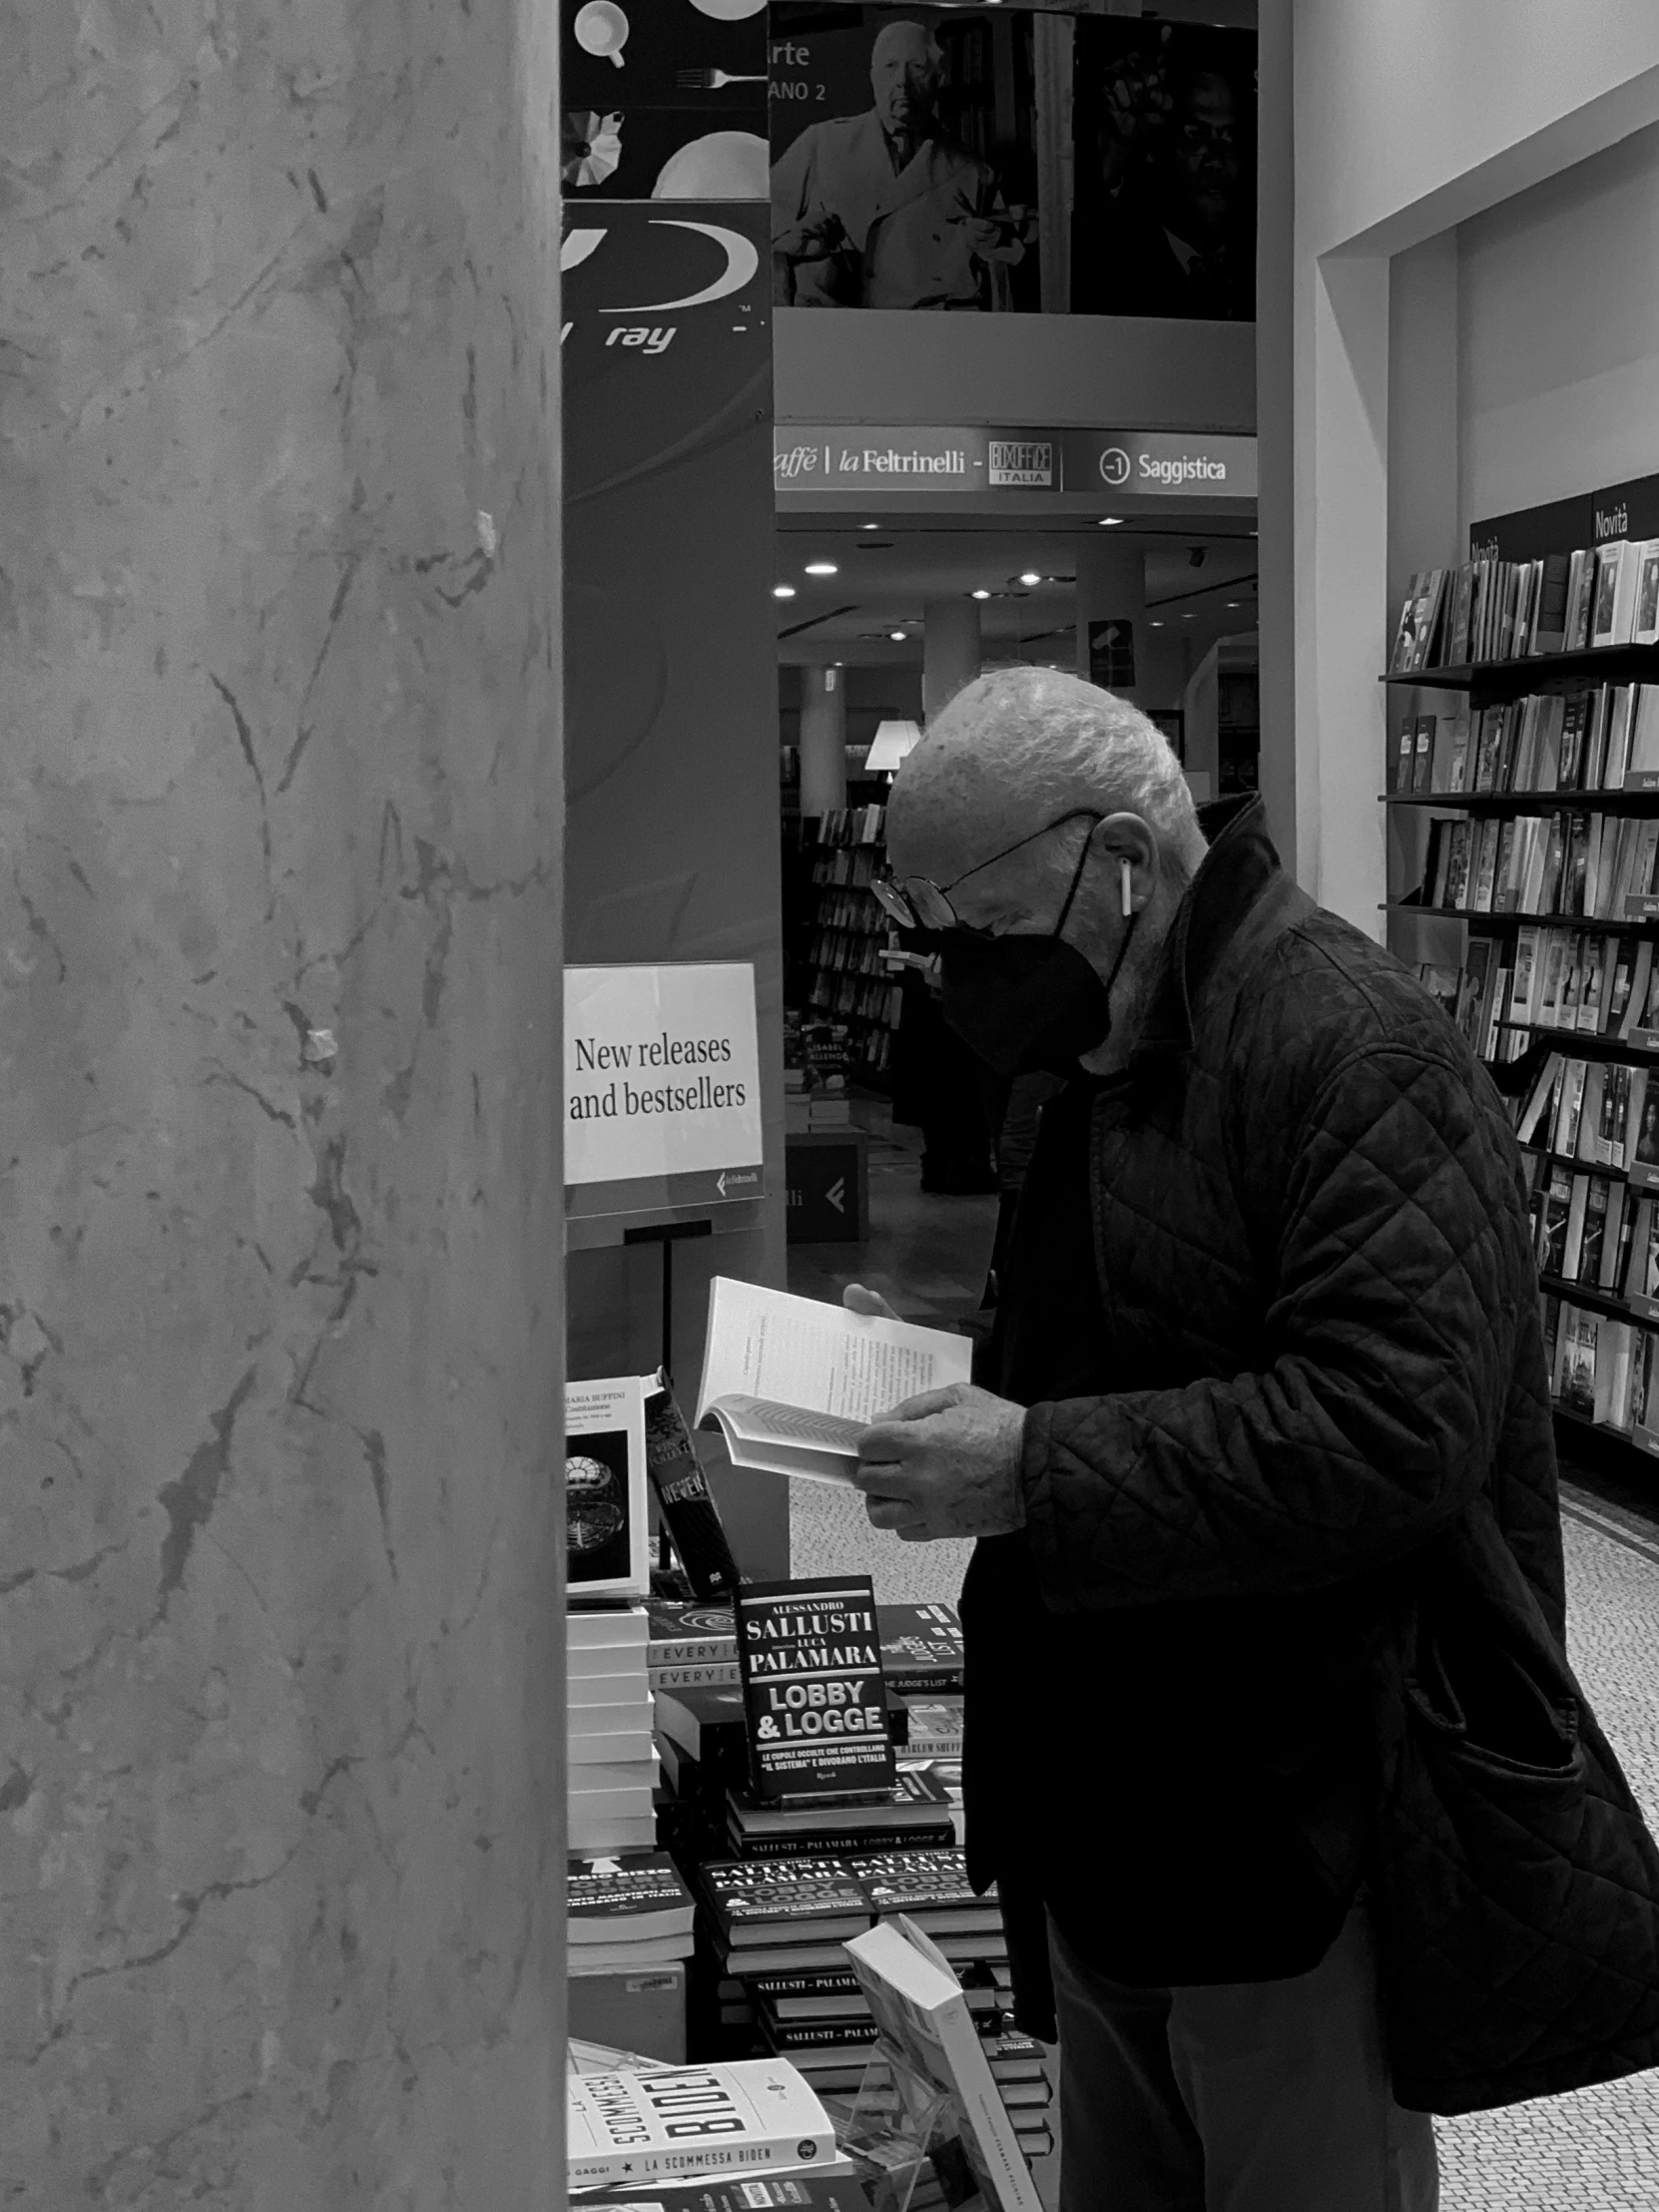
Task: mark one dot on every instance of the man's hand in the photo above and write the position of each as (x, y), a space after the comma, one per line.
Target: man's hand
(857, 1299)
(945, 1464)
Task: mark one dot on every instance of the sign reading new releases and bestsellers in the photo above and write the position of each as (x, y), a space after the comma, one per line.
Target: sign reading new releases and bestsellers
(662, 1082)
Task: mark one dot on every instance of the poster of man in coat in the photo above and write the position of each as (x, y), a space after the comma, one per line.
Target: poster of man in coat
(903, 170)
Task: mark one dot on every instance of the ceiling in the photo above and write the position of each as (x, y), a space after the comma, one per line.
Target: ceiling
(885, 575)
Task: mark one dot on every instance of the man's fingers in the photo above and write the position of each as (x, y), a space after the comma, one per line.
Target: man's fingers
(857, 1299)
(926, 1403)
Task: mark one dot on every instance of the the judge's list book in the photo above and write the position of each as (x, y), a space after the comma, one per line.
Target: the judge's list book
(792, 1382)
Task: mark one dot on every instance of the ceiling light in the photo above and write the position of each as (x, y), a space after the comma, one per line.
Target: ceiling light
(820, 568)
(979, 595)
(1235, 602)
(1155, 623)
(897, 637)
(783, 591)
(1030, 577)
(1110, 522)
(869, 526)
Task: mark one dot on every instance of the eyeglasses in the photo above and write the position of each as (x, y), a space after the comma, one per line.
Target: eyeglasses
(916, 903)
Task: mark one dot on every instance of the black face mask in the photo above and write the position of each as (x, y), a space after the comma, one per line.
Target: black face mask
(1024, 1003)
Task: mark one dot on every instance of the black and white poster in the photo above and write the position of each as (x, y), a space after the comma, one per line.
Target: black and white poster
(995, 160)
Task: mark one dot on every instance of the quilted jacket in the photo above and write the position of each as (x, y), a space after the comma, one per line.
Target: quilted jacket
(1320, 1339)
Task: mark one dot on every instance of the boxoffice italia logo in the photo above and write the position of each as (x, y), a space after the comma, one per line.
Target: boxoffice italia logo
(1017, 462)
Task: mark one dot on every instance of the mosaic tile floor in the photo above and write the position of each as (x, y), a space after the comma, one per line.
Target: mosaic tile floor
(1594, 2151)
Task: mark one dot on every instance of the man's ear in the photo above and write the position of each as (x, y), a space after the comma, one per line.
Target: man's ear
(1132, 853)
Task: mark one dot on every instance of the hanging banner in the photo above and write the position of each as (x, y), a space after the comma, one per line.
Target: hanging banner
(662, 1085)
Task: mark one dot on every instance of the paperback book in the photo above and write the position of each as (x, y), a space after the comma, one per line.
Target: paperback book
(740, 2116)
(812, 1687)
(792, 1382)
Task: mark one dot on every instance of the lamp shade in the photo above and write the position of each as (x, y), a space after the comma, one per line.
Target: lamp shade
(892, 739)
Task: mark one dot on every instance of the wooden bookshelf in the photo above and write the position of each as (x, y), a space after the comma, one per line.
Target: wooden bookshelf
(1510, 547)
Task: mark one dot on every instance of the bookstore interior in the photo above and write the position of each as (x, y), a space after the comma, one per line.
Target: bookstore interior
(777, 1965)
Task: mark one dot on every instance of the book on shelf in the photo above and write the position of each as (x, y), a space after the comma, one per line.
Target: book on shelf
(791, 1383)
(746, 2115)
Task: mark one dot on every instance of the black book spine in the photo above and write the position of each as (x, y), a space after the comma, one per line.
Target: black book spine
(825, 1844)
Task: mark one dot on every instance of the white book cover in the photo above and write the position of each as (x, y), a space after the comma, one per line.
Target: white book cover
(747, 2115)
(1644, 625)
(925, 2026)
(607, 1522)
(791, 1383)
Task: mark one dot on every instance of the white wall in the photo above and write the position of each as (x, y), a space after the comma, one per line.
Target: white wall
(1410, 118)
(1559, 320)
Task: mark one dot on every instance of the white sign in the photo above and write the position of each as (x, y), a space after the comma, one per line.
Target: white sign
(663, 1078)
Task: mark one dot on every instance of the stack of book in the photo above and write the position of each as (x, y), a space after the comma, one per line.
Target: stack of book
(692, 1646)
(613, 1766)
(627, 1914)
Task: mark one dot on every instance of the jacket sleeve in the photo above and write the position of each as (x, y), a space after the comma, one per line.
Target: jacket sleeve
(1397, 1259)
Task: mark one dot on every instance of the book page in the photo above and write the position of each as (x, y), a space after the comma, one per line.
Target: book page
(822, 1359)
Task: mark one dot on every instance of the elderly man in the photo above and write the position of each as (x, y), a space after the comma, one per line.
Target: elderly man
(881, 210)
(1269, 1308)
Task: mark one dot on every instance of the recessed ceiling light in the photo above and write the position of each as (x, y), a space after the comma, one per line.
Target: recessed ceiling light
(1031, 576)
(897, 637)
(1155, 623)
(1235, 602)
(869, 526)
(1110, 522)
(1187, 617)
(979, 595)
(822, 568)
(783, 591)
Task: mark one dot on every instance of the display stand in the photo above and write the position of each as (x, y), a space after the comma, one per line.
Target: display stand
(668, 1234)
(898, 2120)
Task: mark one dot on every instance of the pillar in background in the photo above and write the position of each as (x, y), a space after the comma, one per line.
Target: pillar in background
(823, 739)
(279, 848)
(1111, 587)
(951, 651)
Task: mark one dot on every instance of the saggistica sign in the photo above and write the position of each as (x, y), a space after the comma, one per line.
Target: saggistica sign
(967, 457)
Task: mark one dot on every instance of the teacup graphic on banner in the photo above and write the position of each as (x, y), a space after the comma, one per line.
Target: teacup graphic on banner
(602, 29)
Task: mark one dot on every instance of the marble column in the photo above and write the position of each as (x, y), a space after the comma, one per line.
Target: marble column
(1111, 587)
(950, 650)
(823, 739)
(280, 1244)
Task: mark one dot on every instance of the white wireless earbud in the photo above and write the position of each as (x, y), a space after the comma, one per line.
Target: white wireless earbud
(1128, 902)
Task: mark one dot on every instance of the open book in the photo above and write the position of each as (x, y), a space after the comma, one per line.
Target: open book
(791, 1383)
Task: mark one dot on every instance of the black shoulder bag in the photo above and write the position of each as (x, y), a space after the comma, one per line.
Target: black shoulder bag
(1517, 1885)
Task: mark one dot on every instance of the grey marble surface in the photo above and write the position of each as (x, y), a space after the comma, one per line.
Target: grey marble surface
(279, 1191)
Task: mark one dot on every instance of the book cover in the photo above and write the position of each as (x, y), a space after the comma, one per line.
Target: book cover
(1608, 560)
(792, 1900)
(1404, 753)
(1621, 733)
(926, 2029)
(813, 1688)
(1422, 755)
(1580, 589)
(932, 1887)
(1458, 631)
(1597, 723)
(1615, 1242)
(1552, 1229)
(1554, 864)
(749, 2114)
(1574, 1239)
(1484, 869)
(684, 1498)
(607, 1524)
(1570, 755)
(1405, 636)
(1641, 771)
(1427, 617)
(1472, 990)
(1644, 1160)
(1549, 629)
(684, 1634)
(1593, 1234)
(1644, 621)
(625, 1898)
(921, 1646)
(1572, 1102)
(1578, 1379)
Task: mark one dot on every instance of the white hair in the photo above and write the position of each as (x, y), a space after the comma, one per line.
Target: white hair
(1059, 742)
